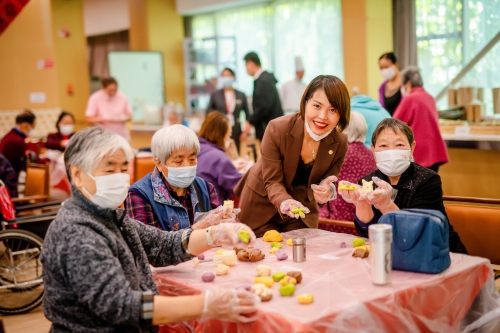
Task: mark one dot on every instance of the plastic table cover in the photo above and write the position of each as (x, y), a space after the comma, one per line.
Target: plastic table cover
(462, 298)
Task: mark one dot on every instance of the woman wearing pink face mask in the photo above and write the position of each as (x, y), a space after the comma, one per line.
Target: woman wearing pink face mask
(399, 183)
(389, 91)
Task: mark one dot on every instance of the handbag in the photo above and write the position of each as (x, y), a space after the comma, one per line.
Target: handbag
(6, 206)
(420, 240)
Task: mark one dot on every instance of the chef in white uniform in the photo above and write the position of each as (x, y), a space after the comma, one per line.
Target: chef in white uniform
(291, 91)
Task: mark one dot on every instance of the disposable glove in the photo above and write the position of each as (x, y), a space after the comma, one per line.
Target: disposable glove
(230, 304)
(383, 196)
(214, 217)
(226, 234)
(325, 191)
(293, 208)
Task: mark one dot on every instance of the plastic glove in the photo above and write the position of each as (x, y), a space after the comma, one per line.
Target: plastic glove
(288, 205)
(352, 196)
(214, 217)
(240, 163)
(383, 196)
(325, 191)
(226, 234)
(230, 304)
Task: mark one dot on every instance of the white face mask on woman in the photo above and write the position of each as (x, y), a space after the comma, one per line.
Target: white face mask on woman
(66, 129)
(314, 136)
(111, 190)
(393, 162)
(388, 73)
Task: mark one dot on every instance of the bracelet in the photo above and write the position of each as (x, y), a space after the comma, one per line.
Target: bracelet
(147, 308)
(208, 237)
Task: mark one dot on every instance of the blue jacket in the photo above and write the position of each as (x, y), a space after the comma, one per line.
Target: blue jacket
(215, 167)
(167, 210)
(373, 112)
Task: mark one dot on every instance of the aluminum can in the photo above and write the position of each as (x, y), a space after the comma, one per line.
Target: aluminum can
(380, 252)
(299, 249)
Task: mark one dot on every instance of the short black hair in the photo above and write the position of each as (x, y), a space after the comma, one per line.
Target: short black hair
(106, 81)
(253, 57)
(389, 56)
(396, 125)
(26, 117)
(61, 116)
(229, 70)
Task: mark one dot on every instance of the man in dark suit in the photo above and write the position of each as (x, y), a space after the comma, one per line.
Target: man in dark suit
(266, 100)
(231, 102)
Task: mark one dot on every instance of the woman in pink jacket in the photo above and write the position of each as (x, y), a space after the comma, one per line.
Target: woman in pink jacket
(418, 110)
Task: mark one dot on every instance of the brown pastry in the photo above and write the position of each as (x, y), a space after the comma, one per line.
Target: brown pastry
(360, 253)
(296, 275)
(249, 254)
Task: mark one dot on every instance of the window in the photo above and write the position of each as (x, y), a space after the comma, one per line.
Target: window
(278, 31)
(452, 32)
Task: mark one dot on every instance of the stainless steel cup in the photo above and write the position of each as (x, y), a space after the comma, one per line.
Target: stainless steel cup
(299, 249)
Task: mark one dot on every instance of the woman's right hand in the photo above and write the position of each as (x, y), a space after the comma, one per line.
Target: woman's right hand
(216, 216)
(288, 205)
(230, 304)
(351, 196)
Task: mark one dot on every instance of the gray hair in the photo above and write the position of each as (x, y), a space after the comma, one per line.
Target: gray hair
(412, 74)
(88, 147)
(357, 128)
(172, 138)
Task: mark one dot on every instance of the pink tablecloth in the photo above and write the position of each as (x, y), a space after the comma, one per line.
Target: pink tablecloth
(345, 300)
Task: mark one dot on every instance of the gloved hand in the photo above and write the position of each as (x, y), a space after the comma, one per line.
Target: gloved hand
(214, 217)
(226, 234)
(383, 196)
(325, 191)
(288, 205)
(350, 196)
(230, 304)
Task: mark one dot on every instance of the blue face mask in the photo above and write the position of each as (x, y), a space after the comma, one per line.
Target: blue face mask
(181, 177)
(226, 81)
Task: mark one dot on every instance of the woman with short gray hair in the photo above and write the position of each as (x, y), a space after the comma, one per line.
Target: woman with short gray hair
(170, 196)
(358, 162)
(96, 260)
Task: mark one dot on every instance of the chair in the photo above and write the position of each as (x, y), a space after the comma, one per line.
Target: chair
(37, 184)
(250, 148)
(477, 221)
(339, 223)
(143, 166)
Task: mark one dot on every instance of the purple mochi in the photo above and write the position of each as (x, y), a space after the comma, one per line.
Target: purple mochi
(244, 287)
(201, 256)
(343, 245)
(281, 254)
(208, 277)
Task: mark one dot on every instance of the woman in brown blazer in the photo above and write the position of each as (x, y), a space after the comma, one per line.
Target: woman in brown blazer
(298, 152)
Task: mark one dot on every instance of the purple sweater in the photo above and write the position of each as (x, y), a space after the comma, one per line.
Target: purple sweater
(215, 167)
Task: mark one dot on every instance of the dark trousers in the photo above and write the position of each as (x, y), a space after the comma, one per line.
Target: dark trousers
(280, 225)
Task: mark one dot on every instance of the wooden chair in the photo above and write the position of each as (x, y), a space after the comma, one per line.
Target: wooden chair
(247, 149)
(37, 184)
(143, 166)
(339, 223)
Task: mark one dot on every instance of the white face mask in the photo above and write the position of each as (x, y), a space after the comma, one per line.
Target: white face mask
(393, 162)
(388, 73)
(316, 137)
(111, 190)
(66, 129)
(226, 81)
(181, 177)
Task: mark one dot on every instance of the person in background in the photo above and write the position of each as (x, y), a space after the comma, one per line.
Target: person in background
(230, 102)
(175, 117)
(110, 108)
(96, 260)
(389, 91)
(358, 162)
(299, 151)
(372, 111)
(8, 176)
(169, 197)
(418, 110)
(291, 92)
(14, 144)
(214, 164)
(265, 102)
(400, 183)
(65, 129)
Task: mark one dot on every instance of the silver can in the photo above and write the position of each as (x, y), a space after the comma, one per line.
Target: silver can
(299, 249)
(380, 252)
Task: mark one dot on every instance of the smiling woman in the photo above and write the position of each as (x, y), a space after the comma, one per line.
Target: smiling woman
(301, 157)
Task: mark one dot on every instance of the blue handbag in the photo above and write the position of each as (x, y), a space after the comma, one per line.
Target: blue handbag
(420, 240)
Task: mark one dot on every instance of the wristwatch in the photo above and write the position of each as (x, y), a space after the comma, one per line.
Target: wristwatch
(208, 237)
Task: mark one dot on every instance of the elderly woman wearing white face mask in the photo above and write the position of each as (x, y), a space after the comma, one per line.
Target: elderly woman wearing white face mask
(399, 182)
(96, 260)
(169, 197)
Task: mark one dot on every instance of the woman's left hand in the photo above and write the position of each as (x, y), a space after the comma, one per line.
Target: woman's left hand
(215, 217)
(325, 191)
(383, 196)
(226, 234)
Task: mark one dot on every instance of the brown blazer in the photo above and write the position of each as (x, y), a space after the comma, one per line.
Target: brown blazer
(268, 183)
